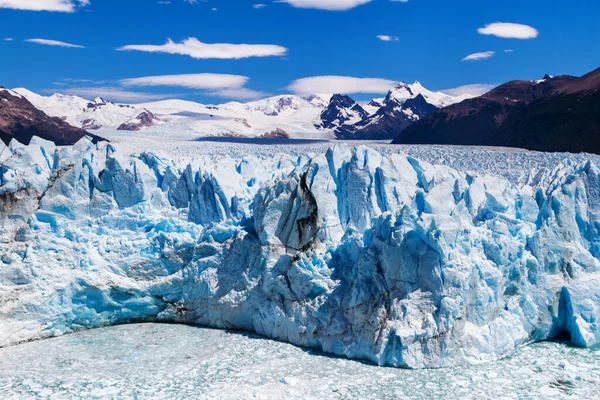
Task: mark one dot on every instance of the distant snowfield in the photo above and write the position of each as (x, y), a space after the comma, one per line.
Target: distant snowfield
(172, 361)
(293, 116)
(510, 163)
(185, 120)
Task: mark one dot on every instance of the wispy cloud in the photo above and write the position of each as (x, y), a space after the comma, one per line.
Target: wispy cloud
(220, 85)
(473, 90)
(509, 30)
(48, 42)
(340, 84)
(44, 5)
(479, 56)
(8, 39)
(259, 6)
(237, 93)
(330, 5)
(387, 38)
(196, 49)
(192, 81)
(126, 90)
(73, 81)
(115, 94)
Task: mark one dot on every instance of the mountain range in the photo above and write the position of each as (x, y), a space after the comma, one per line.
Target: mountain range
(383, 119)
(559, 113)
(323, 117)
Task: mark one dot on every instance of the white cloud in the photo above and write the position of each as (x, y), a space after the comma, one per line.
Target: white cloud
(192, 81)
(237, 93)
(387, 38)
(509, 51)
(115, 93)
(8, 39)
(196, 49)
(330, 5)
(44, 5)
(479, 56)
(472, 90)
(219, 85)
(48, 42)
(340, 84)
(259, 6)
(509, 30)
(76, 80)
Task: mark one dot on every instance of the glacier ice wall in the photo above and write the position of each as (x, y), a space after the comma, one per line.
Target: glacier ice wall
(378, 257)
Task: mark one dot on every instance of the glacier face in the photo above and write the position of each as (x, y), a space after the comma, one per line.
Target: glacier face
(382, 257)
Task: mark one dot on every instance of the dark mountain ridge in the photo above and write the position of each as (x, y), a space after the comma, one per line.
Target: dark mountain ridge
(20, 120)
(350, 121)
(553, 114)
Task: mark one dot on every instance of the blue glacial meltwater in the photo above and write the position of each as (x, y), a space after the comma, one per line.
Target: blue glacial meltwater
(150, 361)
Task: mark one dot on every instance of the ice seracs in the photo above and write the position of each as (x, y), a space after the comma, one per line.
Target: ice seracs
(367, 255)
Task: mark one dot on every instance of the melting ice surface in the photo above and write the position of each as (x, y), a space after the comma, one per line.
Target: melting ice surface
(409, 257)
(152, 361)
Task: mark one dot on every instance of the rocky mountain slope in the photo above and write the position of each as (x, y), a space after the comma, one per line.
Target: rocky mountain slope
(385, 118)
(552, 114)
(20, 120)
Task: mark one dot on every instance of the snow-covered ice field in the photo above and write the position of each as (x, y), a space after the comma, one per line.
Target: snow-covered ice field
(510, 163)
(152, 361)
(418, 256)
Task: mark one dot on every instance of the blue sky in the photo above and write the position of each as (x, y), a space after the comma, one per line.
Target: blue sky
(428, 41)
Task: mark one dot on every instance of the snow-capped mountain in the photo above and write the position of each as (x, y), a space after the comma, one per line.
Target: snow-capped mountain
(294, 115)
(277, 106)
(340, 111)
(91, 115)
(285, 116)
(57, 105)
(405, 91)
(385, 118)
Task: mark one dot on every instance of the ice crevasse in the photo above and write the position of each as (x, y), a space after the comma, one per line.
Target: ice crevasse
(383, 258)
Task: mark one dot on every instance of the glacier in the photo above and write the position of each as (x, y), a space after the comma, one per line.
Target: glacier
(367, 254)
